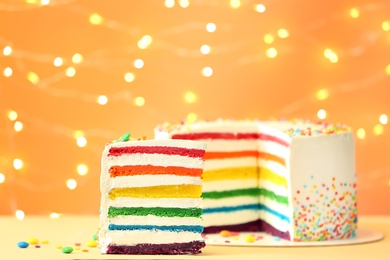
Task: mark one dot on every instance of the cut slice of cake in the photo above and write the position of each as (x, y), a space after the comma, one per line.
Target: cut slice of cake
(151, 197)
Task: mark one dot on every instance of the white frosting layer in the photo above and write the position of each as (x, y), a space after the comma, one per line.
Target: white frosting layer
(276, 129)
(231, 218)
(229, 202)
(154, 220)
(278, 190)
(273, 148)
(273, 166)
(151, 180)
(149, 237)
(274, 205)
(214, 164)
(229, 185)
(231, 145)
(275, 221)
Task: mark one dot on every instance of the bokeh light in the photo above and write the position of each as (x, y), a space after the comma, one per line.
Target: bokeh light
(33, 77)
(184, 3)
(322, 94)
(19, 214)
(383, 119)
(207, 71)
(354, 13)
(386, 26)
(129, 77)
(235, 3)
(82, 169)
(283, 33)
(70, 72)
(54, 215)
(191, 117)
(58, 62)
(95, 19)
(145, 42)
(18, 164)
(169, 3)
(139, 101)
(378, 129)
(361, 133)
(77, 58)
(8, 72)
(81, 141)
(260, 8)
(7, 50)
(268, 38)
(18, 126)
(205, 49)
(321, 114)
(331, 55)
(271, 53)
(71, 184)
(138, 63)
(102, 100)
(190, 97)
(211, 27)
(12, 115)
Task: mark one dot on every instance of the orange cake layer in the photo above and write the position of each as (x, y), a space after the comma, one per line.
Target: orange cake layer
(130, 170)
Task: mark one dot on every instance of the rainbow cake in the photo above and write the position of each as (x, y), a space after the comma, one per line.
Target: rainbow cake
(292, 179)
(151, 197)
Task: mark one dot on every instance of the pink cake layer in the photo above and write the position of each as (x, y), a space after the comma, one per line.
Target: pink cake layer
(193, 247)
(254, 226)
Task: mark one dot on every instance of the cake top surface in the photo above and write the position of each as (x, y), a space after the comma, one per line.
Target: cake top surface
(295, 127)
(127, 140)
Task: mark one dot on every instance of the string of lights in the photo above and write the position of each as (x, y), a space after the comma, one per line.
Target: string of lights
(131, 65)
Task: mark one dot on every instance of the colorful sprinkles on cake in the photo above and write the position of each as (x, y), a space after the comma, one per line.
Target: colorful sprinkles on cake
(320, 129)
(126, 137)
(321, 215)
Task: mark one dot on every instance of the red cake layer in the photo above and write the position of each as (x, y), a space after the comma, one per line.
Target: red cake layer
(230, 136)
(130, 170)
(193, 247)
(254, 226)
(117, 151)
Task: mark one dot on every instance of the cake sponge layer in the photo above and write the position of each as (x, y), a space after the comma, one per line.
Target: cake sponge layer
(130, 170)
(168, 191)
(118, 151)
(156, 211)
(254, 226)
(193, 247)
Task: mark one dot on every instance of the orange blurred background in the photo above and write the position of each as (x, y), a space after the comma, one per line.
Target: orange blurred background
(77, 74)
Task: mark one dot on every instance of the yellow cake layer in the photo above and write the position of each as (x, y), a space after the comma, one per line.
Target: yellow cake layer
(244, 173)
(268, 175)
(167, 191)
(230, 174)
